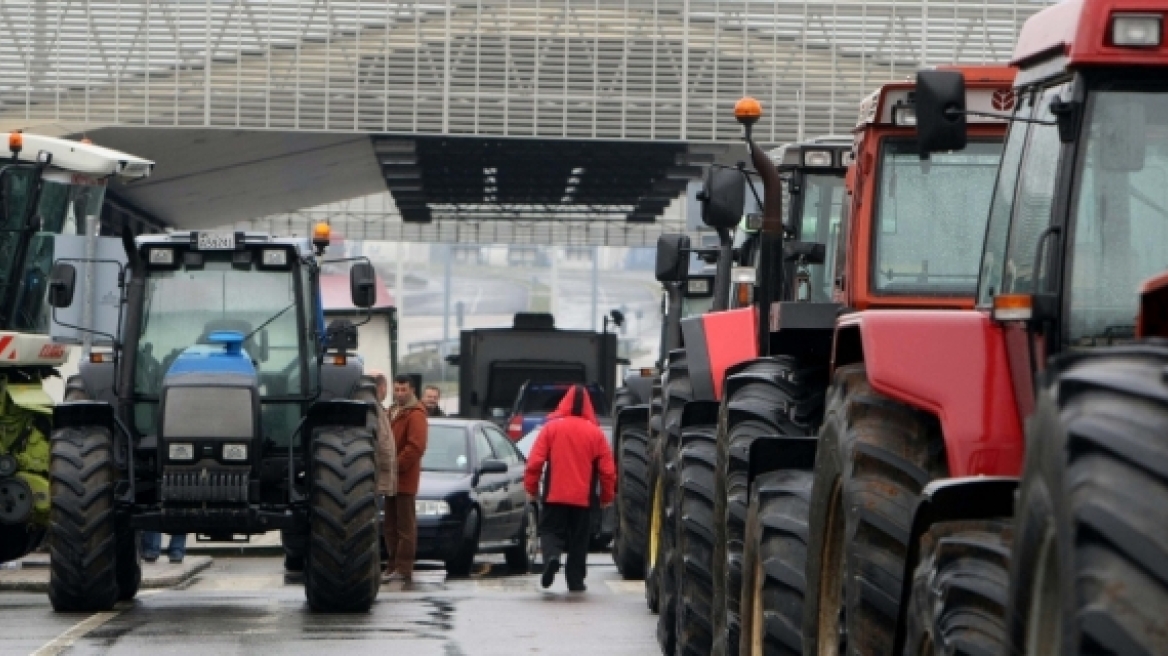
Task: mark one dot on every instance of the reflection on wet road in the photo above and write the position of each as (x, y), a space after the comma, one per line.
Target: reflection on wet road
(244, 606)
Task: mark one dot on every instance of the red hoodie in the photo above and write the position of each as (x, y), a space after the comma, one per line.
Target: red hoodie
(575, 451)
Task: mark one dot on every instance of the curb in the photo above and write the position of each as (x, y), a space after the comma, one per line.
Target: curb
(245, 552)
(197, 565)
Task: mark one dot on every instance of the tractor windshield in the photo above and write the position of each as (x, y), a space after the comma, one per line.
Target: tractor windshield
(183, 307)
(931, 218)
(1120, 211)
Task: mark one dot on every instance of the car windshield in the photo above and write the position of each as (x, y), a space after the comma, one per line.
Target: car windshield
(543, 400)
(931, 218)
(183, 307)
(446, 449)
(1121, 213)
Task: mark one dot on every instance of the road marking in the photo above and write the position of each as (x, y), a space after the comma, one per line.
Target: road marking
(82, 628)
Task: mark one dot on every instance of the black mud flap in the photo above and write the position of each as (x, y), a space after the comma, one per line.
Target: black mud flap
(947, 500)
(74, 414)
(773, 452)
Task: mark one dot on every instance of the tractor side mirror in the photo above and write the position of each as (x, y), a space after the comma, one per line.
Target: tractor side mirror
(940, 111)
(363, 284)
(723, 197)
(672, 258)
(62, 283)
(810, 251)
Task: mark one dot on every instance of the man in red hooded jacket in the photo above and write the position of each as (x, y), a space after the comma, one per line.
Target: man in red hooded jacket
(576, 454)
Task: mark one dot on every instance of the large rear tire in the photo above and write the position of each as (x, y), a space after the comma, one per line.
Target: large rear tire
(676, 391)
(1089, 568)
(633, 502)
(769, 396)
(655, 508)
(342, 572)
(874, 457)
(83, 533)
(773, 583)
(958, 599)
(695, 545)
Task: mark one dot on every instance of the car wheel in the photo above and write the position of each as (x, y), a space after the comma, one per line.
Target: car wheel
(459, 565)
(521, 557)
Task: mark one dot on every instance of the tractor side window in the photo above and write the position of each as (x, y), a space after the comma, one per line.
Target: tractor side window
(839, 259)
(1033, 202)
(823, 198)
(1002, 206)
(1120, 221)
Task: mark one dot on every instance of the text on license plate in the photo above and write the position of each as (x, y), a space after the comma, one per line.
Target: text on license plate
(216, 241)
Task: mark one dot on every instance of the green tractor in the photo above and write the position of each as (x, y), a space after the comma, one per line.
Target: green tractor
(48, 187)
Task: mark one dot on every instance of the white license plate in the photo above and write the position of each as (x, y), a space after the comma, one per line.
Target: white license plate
(216, 241)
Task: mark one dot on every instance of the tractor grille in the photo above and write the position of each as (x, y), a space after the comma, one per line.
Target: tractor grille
(204, 485)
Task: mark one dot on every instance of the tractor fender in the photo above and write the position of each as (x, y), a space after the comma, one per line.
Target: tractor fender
(332, 412)
(947, 500)
(773, 452)
(714, 342)
(630, 414)
(699, 412)
(76, 414)
(951, 364)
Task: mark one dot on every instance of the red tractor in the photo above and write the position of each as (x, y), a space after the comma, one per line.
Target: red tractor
(907, 240)
(766, 374)
(1068, 342)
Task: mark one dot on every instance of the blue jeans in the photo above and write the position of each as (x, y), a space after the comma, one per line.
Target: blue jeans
(152, 545)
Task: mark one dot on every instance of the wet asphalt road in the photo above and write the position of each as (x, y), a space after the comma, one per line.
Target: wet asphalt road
(244, 606)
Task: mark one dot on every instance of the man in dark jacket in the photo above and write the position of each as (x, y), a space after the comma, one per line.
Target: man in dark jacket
(576, 454)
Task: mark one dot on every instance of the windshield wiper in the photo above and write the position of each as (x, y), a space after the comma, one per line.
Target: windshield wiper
(269, 321)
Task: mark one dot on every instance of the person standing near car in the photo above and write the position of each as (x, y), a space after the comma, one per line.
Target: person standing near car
(571, 454)
(407, 419)
(431, 395)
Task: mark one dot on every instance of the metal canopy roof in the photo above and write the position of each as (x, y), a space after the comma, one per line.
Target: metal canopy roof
(483, 178)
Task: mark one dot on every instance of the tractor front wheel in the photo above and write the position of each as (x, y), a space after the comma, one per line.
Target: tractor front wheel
(342, 572)
(83, 530)
(1089, 567)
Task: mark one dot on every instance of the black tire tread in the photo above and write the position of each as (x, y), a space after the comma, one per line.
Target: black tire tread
(676, 391)
(776, 533)
(633, 501)
(696, 540)
(82, 528)
(957, 604)
(343, 566)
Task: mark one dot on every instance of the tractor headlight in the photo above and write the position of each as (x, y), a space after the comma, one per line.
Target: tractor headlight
(161, 256)
(424, 508)
(817, 158)
(1136, 30)
(275, 257)
(904, 115)
(181, 451)
(235, 452)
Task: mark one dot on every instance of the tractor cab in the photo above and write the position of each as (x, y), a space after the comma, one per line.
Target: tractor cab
(236, 409)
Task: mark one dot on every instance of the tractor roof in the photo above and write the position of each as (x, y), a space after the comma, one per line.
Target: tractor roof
(84, 158)
(790, 156)
(1077, 33)
(302, 244)
(987, 89)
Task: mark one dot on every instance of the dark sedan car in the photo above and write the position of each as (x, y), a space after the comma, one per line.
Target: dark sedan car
(471, 498)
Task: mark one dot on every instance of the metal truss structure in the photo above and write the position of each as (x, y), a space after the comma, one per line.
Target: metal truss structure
(582, 69)
(662, 74)
(365, 219)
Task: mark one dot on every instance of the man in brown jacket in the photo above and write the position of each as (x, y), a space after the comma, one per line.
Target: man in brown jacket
(386, 453)
(407, 418)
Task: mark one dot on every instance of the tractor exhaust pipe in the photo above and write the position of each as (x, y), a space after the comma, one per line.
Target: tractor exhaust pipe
(769, 279)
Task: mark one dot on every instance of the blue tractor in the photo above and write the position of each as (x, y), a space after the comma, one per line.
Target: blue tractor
(225, 407)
